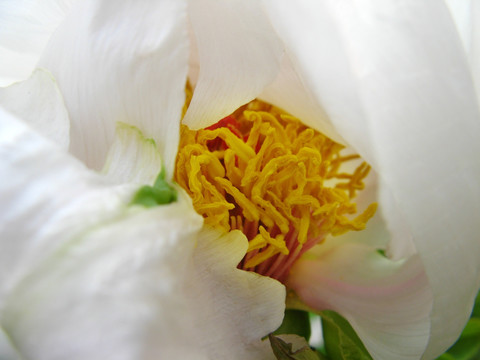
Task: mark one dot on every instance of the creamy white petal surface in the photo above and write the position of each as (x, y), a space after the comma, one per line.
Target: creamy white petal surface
(238, 53)
(121, 61)
(388, 303)
(132, 158)
(235, 308)
(25, 28)
(44, 111)
(466, 14)
(402, 96)
(44, 194)
(7, 352)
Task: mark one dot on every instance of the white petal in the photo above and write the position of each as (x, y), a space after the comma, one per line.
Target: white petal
(317, 53)
(387, 303)
(44, 192)
(132, 158)
(67, 241)
(38, 102)
(26, 26)
(15, 66)
(235, 308)
(402, 244)
(121, 61)
(466, 14)
(376, 233)
(289, 93)
(86, 277)
(405, 101)
(239, 55)
(7, 352)
(113, 293)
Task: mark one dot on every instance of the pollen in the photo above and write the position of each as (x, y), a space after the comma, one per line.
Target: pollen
(281, 183)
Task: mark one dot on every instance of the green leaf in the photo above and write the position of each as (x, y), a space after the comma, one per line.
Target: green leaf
(321, 355)
(160, 193)
(476, 307)
(341, 341)
(295, 322)
(446, 356)
(291, 347)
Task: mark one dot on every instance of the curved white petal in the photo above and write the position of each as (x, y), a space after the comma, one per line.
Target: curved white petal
(238, 53)
(25, 28)
(115, 292)
(387, 303)
(289, 92)
(44, 192)
(15, 66)
(376, 234)
(38, 102)
(121, 61)
(402, 244)
(320, 59)
(401, 94)
(84, 276)
(466, 14)
(235, 308)
(7, 352)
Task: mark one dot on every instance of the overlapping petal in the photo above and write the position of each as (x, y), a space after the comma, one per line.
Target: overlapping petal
(466, 14)
(235, 308)
(25, 29)
(45, 111)
(85, 276)
(238, 54)
(121, 61)
(405, 101)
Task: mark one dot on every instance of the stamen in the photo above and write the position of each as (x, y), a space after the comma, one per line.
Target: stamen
(263, 172)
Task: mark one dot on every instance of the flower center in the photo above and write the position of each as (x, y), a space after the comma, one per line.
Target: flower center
(263, 172)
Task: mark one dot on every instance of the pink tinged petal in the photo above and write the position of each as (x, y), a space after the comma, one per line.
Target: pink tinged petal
(238, 53)
(235, 308)
(25, 28)
(401, 94)
(121, 61)
(38, 102)
(387, 303)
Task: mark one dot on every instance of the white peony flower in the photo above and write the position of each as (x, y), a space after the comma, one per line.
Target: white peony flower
(87, 275)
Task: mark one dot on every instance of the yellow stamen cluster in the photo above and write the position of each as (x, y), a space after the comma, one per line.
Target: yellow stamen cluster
(268, 177)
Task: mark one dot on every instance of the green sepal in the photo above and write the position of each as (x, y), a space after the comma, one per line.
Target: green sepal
(284, 350)
(295, 322)
(341, 341)
(161, 193)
